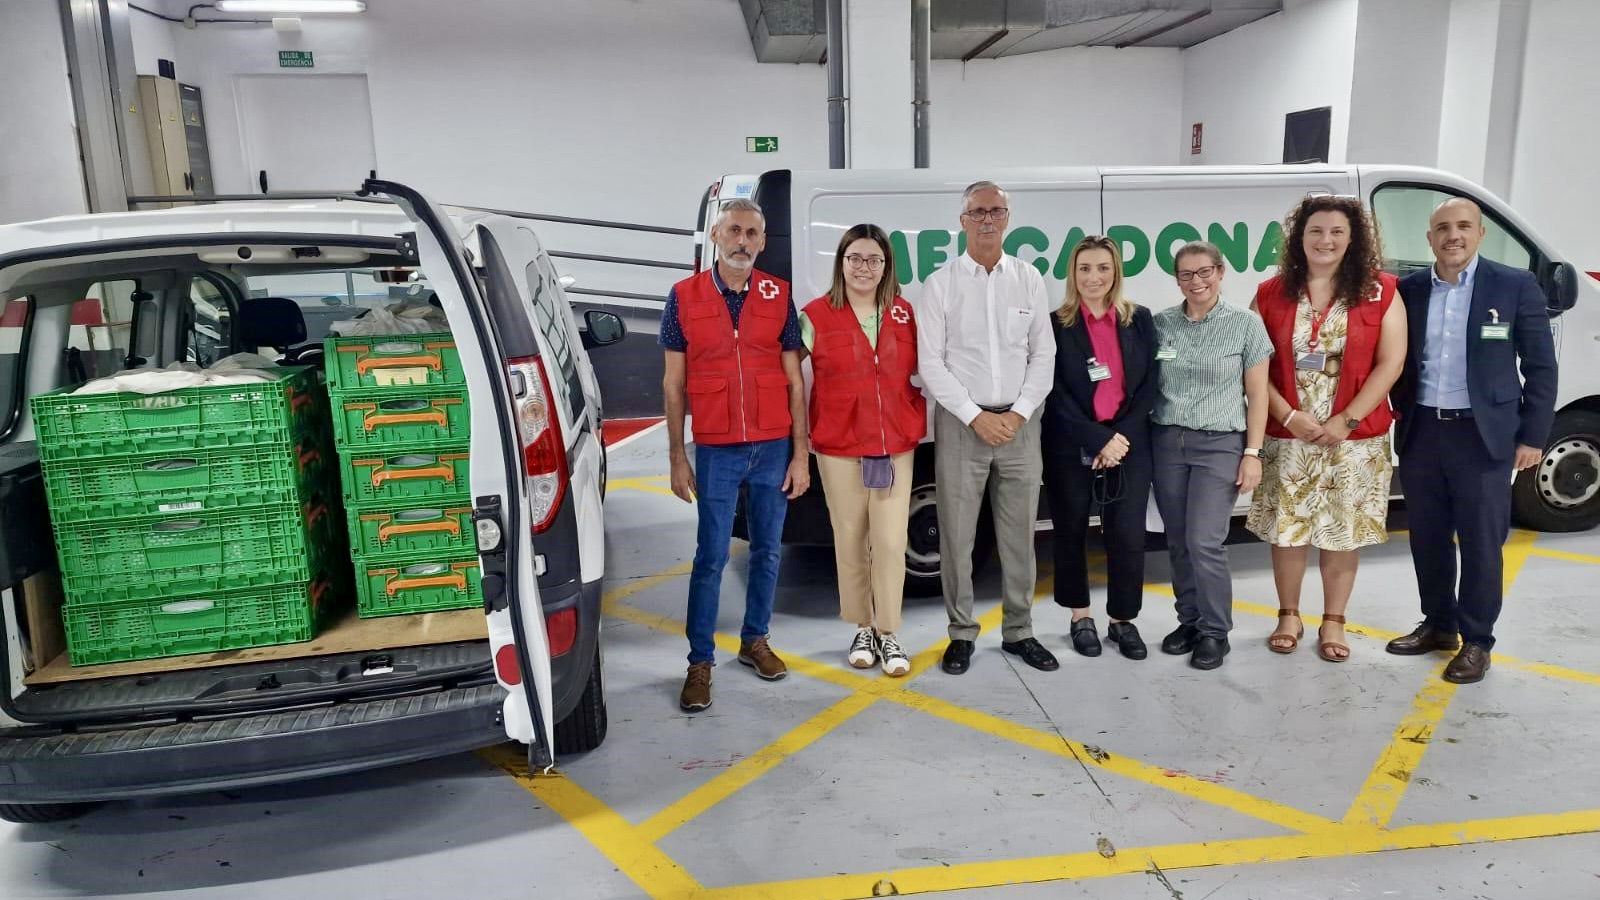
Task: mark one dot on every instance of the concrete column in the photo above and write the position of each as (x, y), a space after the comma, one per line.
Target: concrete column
(878, 83)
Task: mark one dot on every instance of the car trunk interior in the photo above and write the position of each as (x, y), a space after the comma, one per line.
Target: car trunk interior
(192, 296)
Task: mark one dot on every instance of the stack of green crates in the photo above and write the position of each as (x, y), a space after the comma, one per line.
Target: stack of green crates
(194, 520)
(401, 426)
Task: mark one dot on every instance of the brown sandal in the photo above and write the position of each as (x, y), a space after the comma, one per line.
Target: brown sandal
(1293, 639)
(1324, 646)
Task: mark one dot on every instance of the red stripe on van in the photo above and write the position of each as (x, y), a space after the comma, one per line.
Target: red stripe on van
(15, 314)
(615, 430)
(88, 312)
(1595, 275)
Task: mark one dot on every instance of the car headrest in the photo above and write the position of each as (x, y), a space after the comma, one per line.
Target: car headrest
(271, 322)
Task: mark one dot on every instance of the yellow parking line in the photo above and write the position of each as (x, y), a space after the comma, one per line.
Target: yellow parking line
(656, 873)
(752, 767)
(1341, 842)
(1385, 786)
(646, 485)
(1567, 555)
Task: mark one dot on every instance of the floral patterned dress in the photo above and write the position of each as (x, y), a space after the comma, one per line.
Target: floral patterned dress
(1332, 498)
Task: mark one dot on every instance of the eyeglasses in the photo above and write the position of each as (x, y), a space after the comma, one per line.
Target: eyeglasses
(982, 215)
(870, 263)
(1202, 273)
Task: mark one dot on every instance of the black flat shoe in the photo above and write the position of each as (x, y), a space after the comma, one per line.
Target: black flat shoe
(957, 657)
(1181, 640)
(1085, 639)
(1208, 652)
(1033, 653)
(1127, 639)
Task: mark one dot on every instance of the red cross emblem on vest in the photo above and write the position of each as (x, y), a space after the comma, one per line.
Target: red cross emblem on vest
(899, 314)
(767, 289)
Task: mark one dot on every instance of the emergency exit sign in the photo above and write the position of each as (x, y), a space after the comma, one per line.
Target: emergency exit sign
(294, 59)
(761, 145)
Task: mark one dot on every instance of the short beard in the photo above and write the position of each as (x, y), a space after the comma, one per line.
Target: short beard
(733, 262)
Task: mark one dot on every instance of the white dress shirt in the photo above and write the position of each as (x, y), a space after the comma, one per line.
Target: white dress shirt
(984, 338)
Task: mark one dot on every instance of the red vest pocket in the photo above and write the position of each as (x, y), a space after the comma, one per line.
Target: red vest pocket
(772, 400)
(708, 403)
(834, 424)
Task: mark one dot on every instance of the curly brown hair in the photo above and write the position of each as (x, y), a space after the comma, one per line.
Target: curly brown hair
(1357, 276)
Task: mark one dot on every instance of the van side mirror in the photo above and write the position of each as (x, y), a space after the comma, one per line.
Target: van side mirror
(602, 328)
(1561, 286)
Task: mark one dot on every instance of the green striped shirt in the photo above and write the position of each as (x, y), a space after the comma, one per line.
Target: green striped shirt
(1202, 366)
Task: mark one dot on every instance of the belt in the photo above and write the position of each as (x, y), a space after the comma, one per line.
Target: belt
(995, 409)
(1443, 415)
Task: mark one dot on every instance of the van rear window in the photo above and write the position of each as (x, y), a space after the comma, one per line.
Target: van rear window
(14, 319)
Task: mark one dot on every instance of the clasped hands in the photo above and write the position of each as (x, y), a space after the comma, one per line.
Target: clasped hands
(995, 429)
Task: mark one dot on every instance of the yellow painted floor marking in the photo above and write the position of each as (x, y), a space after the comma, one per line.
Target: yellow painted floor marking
(1385, 786)
(648, 485)
(630, 586)
(752, 767)
(1341, 842)
(1566, 555)
(656, 873)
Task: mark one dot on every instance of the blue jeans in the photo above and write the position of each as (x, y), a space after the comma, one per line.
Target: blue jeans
(719, 473)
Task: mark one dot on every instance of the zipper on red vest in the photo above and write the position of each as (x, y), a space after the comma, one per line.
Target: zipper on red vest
(738, 360)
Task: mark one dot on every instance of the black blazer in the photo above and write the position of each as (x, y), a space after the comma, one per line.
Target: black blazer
(1069, 428)
(1508, 410)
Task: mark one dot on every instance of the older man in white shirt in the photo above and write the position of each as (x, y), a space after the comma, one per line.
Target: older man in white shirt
(987, 358)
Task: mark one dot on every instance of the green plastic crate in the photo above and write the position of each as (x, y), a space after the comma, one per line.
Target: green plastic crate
(145, 629)
(97, 488)
(181, 556)
(386, 477)
(416, 586)
(413, 417)
(72, 426)
(444, 529)
(392, 361)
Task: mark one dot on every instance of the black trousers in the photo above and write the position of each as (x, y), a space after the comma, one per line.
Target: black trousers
(1456, 492)
(1072, 491)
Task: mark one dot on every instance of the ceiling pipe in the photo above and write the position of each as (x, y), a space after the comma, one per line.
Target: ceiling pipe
(1195, 16)
(836, 98)
(921, 44)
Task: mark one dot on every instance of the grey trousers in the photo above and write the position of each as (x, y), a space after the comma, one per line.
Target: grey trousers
(1195, 491)
(963, 467)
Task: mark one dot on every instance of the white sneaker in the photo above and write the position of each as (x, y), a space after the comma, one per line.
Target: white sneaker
(864, 649)
(895, 661)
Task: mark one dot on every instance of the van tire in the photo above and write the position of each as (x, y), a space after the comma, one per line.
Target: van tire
(43, 813)
(584, 728)
(1562, 493)
(922, 541)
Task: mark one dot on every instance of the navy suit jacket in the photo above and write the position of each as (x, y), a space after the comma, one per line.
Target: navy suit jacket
(1508, 410)
(1069, 428)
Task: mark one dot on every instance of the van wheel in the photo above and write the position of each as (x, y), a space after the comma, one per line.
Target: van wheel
(1562, 493)
(584, 728)
(43, 813)
(922, 543)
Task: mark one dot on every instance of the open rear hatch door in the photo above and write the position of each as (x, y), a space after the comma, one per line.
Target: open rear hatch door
(502, 509)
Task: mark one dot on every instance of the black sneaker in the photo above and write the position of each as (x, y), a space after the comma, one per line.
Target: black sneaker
(863, 649)
(895, 662)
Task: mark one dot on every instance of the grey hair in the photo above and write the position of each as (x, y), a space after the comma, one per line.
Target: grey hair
(739, 204)
(1197, 248)
(977, 186)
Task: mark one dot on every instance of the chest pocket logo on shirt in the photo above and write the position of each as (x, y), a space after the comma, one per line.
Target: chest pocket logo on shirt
(1018, 322)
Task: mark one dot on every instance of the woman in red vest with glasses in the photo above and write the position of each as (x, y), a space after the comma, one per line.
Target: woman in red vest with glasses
(1339, 343)
(866, 421)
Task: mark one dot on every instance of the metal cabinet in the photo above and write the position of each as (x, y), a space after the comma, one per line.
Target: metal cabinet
(175, 129)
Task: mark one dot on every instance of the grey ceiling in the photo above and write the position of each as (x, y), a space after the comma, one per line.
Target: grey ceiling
(794, 31)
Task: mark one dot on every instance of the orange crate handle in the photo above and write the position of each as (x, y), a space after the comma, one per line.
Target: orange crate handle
(431, 360)
(448, 525)
(382, 475)
(378, 420)
(452, 580)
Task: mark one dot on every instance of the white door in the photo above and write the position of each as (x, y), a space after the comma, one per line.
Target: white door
(306, 132)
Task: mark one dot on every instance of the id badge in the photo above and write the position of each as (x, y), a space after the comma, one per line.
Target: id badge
(1099, 372)
(1496, 331)
(1313, 360)
(1167, 353)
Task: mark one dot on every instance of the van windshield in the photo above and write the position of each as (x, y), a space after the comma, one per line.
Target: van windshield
(335, 295)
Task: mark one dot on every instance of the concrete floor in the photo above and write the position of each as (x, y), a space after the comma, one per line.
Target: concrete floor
(1275, 777)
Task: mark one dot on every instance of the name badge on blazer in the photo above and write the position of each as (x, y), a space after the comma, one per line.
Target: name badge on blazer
(1098, 371)
(1494, 329)
(1167, 353)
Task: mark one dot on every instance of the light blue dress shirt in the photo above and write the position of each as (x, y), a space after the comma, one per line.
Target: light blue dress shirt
(1444, 350)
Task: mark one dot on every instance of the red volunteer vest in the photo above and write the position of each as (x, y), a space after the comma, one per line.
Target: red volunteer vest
(862, 400)
(737, 390)
(1360, 352)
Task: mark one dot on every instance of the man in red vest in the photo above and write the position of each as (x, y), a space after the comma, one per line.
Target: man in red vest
(732, 342)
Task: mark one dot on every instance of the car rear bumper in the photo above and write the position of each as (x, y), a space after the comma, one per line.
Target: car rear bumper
(246, 751)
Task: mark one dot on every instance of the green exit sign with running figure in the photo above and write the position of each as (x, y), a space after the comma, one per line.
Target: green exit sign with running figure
(761, 145)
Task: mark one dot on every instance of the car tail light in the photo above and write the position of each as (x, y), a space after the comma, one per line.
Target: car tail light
(506, 665)
(562, 630)
(544, 455)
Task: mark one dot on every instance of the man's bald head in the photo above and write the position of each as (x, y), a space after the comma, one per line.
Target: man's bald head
(1456, 207)
(1454, 232)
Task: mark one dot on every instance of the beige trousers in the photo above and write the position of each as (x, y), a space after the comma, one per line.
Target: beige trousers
(869, 540)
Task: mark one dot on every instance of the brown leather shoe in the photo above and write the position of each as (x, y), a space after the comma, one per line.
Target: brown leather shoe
(759, 656)
(696, 688)
(1469, 666)
(1425, 639)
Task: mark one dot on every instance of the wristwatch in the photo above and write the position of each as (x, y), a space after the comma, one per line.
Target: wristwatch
(1350, 424)
(1252, 451)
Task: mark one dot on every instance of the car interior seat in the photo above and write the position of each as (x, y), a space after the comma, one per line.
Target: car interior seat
(277, 322)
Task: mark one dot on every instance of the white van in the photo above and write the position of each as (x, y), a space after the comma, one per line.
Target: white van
(1151, 212)
(87, 296)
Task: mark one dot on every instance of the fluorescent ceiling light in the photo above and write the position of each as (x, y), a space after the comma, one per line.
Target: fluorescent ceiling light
(292, 6)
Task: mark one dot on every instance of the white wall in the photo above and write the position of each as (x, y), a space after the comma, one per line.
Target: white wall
(153, 39)
(1400, 52)
(39, 171)
(1240, 85)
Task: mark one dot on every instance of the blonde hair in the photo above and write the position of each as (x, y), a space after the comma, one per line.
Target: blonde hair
(1067, 315)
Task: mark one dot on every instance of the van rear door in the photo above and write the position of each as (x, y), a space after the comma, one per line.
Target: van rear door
(491, 346)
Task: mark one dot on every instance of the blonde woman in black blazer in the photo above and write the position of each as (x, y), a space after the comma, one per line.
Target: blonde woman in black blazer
(1096, 442)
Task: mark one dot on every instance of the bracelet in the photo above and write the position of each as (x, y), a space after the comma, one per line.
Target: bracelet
(1290, 417)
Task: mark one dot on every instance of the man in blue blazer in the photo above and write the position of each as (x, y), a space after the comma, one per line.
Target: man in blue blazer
(1466, 424)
